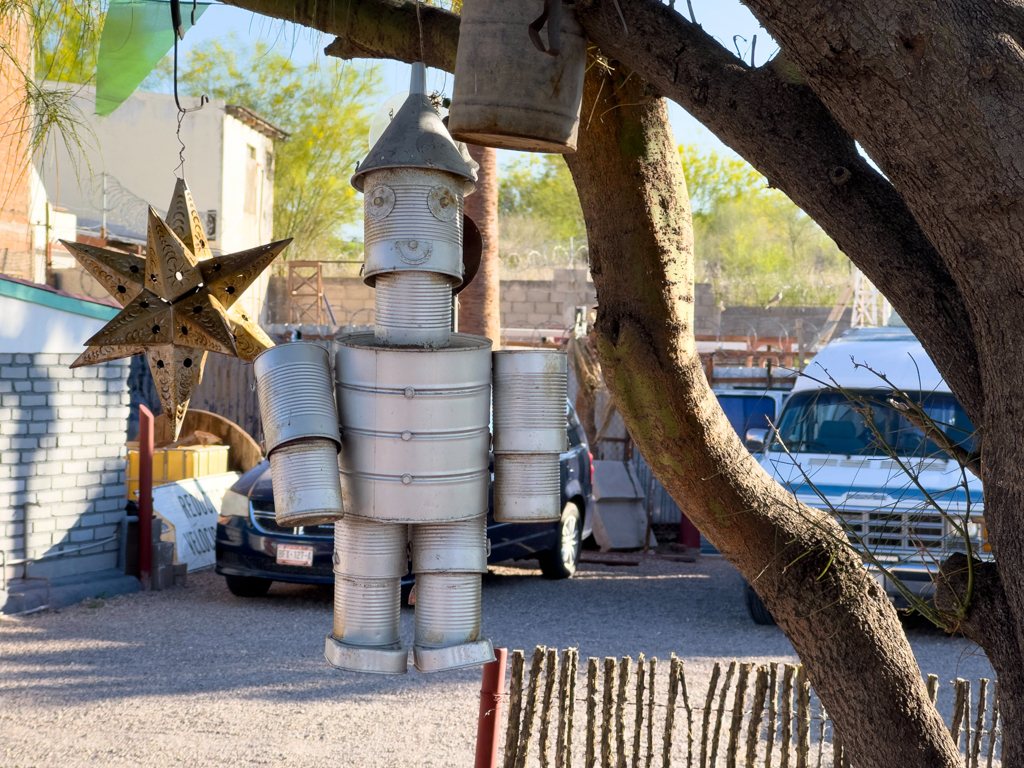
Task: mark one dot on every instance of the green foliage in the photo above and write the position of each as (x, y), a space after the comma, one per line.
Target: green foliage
(67, 39)
(751, 242)
(540, 188)
(323, 108)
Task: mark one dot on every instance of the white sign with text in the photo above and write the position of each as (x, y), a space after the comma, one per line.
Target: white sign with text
(190, 508)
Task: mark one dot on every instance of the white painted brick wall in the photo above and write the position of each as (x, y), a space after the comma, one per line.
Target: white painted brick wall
(62, 461)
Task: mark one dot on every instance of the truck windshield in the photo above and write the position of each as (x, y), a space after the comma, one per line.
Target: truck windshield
(825, 421)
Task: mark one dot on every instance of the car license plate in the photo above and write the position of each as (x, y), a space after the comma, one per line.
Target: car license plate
(294, 554)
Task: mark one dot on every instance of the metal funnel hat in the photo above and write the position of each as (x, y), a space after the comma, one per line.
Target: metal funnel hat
(415, 138)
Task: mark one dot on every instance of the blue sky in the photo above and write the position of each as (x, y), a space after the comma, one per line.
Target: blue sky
(721, 18)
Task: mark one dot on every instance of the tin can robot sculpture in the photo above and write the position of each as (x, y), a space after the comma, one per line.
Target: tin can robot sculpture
(413, 406)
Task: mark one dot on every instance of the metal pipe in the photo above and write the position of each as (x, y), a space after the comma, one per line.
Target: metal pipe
(492, 694)
(145, 496)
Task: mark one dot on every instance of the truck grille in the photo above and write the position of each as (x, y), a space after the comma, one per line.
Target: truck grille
(264, 518)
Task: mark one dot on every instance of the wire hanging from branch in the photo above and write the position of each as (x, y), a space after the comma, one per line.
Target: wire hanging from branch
(179, 33)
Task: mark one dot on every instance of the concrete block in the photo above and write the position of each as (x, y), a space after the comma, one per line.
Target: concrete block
(10, 457)
(44, 386)
(61, 373)
(86, 452)
(58, 454)
(70, 385)
(117, 502)
(536, 320)
(65, 522)
(6, 359)
(75, 467)
(83, 399)
(71, 414)
(14, 530)
(69, 441)
(13, 428)
(22, 385)
(7, 414)
(120, 412)
(39, 540)
(109, 451)
(58, 399)
(95, 386)
(95, 413)
(45, 358)
(37, 428)
(49, 497)
(67, 359)
(25, 443)
(12, 485)
(83, 534)
(62, 481)
(548, 308)
(13, 372)
(49, 468)
(48, 442)
(85, 372)
(74, 494)
(10, 400)
(22, 359)
(117, 437)
(85, 479)
(84, 424)
(110, 425)
(44, 414)
(20, 470)
(5, 387)
(94, 492)
(47, 525)
(38, 483)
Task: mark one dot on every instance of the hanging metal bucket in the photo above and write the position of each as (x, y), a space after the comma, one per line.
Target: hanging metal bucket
(507, 93)
(448, 622)
(416, 431)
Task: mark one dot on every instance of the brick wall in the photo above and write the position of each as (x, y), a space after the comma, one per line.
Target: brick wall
(15, 150)
(62, 462)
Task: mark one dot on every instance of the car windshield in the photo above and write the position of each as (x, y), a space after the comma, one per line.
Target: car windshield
(825, 421)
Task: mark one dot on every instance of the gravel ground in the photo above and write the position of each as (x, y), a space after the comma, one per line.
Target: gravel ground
(195, 676)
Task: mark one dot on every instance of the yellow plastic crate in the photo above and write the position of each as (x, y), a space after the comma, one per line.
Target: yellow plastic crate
(170, 464)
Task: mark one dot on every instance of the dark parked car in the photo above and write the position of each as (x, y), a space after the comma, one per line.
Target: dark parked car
(253, 550)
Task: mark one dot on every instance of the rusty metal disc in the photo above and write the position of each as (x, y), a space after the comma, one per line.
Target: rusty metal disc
(472, 250)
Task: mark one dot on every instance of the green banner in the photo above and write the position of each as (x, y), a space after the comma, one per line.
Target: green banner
(136, 35)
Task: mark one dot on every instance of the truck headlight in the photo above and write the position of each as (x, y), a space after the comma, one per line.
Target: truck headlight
(234, 504)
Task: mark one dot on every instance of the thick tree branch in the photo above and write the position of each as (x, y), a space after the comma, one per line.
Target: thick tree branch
(781, 128)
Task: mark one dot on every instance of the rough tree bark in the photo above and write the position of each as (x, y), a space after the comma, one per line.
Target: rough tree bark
(479, 303)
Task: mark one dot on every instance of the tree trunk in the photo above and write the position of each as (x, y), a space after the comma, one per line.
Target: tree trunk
(480, 302)
(840, 622)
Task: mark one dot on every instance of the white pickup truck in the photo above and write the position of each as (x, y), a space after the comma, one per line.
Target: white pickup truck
(824, 451)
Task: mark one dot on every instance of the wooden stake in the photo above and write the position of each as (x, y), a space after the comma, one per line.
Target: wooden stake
(526, 732)
(515, 708)
(591, 737)
(652, 667)
(638, 720)
(979, 725)
(773, 695)
(545, 705)
(606, 714)
(620, 711)
(716, 671)
(787, 713)
(803, 714)
(563, 695)
(739, 705)
(574, 665)
(756, 710)
(967, 718)
(715, 738)
(689, 713)
(958, 711)
(933, 688)
(670, 711)
(994, 725)
(823, 716)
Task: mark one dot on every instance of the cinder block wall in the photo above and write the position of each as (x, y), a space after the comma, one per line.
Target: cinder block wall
(62, 462)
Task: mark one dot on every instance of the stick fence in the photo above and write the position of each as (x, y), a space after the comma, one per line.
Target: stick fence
(640, 713)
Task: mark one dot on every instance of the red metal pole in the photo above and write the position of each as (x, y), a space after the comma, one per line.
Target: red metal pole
(145, 496)
(492, 694)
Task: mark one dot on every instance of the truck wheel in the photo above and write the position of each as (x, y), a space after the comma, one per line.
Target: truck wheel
(561, 561)
(248, 586)
(757, 609)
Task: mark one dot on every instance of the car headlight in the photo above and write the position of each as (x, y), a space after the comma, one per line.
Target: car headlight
(234, 504)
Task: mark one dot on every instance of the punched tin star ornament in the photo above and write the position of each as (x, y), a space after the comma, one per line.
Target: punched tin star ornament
(177, 302)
